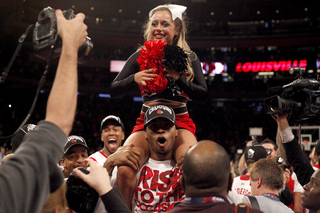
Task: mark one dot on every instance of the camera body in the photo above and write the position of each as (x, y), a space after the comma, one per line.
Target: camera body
(300, 98)
(80, 196)
(45, 36)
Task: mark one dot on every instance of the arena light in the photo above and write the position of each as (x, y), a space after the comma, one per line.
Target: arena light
(137, 99)
(104, 95)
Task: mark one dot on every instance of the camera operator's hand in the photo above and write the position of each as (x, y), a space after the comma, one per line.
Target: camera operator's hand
(282, 121)
(98, 178)
(73, 32)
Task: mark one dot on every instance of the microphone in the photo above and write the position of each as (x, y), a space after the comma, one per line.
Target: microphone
(295, 85)
(303, 83)
(274, 90)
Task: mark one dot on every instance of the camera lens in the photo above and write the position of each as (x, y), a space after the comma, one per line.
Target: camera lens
(84, 50)
(274, 105)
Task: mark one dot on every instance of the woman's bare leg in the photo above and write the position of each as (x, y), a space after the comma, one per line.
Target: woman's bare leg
(184, 141)
(126, 178)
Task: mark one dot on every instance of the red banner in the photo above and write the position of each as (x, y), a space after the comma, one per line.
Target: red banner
(268, 66)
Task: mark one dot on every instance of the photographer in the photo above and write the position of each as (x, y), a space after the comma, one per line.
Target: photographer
(99, 179)
(295, 155)
(33, 168)
(301, 165)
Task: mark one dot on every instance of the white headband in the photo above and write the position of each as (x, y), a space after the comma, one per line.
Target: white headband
(176, 10)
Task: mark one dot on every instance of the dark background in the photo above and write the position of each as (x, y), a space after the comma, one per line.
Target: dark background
(228, 31)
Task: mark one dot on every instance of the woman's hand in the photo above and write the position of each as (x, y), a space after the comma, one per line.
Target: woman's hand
(146, 75)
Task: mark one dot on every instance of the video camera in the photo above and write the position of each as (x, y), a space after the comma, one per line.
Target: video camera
(45, 34)
(300, 98)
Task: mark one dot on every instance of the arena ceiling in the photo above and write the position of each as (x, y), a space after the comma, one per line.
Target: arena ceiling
(119, 22)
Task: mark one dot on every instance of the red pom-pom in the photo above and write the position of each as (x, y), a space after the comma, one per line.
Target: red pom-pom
(151, 58)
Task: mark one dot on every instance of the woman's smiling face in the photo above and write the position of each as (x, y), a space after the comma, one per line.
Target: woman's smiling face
(162, 26)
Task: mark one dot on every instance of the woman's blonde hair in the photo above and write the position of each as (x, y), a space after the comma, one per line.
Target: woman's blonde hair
(56, 200)
(179, 40)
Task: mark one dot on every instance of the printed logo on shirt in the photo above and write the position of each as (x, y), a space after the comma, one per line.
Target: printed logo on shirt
(158, 191)
(243, 191)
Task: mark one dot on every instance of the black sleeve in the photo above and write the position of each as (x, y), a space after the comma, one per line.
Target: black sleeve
(27, 178)
(299, 161)
(114, 202)
(197, 89)
(286, 196)
(124, 82)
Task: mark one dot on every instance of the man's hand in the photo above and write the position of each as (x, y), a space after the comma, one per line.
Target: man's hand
(72, 31)
(286, 176)
(125, 155)
(62, 101)
(282, 121)
(98, 177)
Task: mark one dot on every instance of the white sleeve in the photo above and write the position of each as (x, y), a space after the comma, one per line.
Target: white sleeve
(286, 135)
(234, 197)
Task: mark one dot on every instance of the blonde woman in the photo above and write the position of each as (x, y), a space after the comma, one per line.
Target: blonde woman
(167, 23)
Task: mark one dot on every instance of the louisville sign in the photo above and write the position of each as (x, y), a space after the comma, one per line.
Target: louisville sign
(268, 66)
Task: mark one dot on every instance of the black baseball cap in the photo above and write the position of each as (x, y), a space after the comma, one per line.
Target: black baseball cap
(159, 111)
(255, 153)
(111, 118)
(74, 140)
(16, 140)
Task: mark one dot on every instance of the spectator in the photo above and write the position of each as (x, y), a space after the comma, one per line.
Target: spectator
(286, 195)
(33, 168)
(112, 135)
(75, 151)
(295, 156)
(158, 187)
(314, 157)
(7, 157)
(166, 23)
(112, 154)
(241, 185)
(293, 185)
(311, 195)
(300, 163)
(271, 148)
(57, 201)
(266, 180)
(2, 153)
(206, 180)
(242, 162)
(18, 136)
(98, 179)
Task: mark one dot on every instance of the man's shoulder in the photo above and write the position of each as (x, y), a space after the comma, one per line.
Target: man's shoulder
(99, 157)
(272, 204)
(98, 153)
(210, 207)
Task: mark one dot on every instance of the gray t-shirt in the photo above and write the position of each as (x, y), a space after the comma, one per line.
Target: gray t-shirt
(27, 178)
(269, 205)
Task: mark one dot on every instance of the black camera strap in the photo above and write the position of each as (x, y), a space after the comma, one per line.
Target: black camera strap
(41, 82)
(21, 40)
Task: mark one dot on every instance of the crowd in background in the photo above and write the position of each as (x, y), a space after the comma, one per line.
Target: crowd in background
(211, 119)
